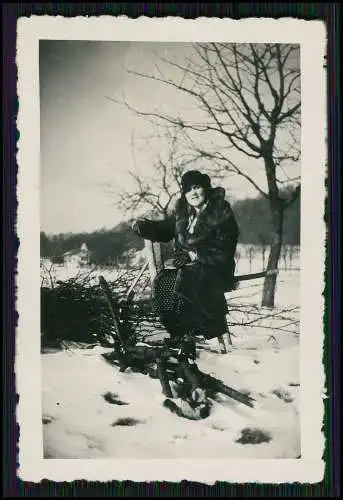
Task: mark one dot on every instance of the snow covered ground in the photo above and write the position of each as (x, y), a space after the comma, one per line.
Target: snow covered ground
(79, 422)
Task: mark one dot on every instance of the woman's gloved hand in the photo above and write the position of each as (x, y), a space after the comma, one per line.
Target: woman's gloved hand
(181, 259)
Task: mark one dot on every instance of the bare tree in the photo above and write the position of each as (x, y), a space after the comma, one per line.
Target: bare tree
(248, 101)
(153, 187)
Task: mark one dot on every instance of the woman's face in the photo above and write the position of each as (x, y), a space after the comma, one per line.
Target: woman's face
(196, 196)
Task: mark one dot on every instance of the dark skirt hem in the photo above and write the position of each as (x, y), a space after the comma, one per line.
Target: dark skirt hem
(179, 315)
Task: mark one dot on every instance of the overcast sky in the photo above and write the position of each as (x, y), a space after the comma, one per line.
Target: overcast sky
(85, 138)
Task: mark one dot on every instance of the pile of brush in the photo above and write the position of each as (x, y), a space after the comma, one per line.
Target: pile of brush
(76, 310)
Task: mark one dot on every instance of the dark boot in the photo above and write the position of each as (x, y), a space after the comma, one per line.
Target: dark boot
(172, 342)
(187, 349)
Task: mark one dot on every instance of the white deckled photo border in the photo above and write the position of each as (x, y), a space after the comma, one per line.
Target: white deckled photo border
(311, 36)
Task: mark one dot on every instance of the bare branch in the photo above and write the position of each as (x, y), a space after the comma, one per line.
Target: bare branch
(247, 99)
(231, 167)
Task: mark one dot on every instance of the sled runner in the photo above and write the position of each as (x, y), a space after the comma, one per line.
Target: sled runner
(180, 379)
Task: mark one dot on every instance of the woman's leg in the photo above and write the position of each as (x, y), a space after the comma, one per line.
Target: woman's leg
(169, 322)
(176, 314)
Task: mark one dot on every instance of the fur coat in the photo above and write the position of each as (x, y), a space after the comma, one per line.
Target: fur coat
(213, 239)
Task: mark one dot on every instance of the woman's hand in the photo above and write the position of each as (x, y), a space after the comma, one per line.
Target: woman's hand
(181, 259)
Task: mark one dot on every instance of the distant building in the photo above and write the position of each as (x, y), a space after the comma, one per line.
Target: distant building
(72, 257)
(84, 255)
(77, 257)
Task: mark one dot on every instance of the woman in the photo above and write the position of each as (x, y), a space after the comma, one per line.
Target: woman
(189, 298)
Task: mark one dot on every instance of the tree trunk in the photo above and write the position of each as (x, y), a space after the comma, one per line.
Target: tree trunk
(274, 256)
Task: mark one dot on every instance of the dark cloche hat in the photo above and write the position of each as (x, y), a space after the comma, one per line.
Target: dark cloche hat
(194, 177)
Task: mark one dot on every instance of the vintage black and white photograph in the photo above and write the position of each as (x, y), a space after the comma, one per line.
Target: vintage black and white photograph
(171, 183)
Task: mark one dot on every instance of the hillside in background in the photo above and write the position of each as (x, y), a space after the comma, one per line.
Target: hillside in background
(254, 220)
(112, 246)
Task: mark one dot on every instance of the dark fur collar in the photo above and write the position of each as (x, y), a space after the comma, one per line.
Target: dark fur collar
(216, 211)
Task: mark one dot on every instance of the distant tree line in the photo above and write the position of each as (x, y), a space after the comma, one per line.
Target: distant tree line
(107, 247)
(110, 247)
(255, 221)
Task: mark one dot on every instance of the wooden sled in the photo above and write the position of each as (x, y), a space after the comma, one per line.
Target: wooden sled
(196, 389)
